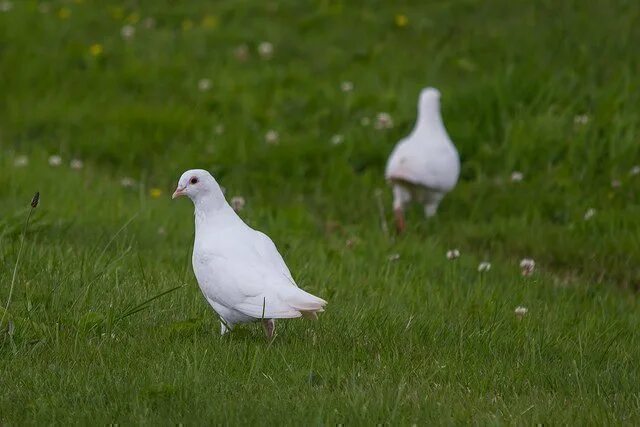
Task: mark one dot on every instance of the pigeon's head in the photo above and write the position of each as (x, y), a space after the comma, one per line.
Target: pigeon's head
(429, 98)
(198, 184)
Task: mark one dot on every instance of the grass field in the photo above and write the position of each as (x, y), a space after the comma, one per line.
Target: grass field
(146, 89)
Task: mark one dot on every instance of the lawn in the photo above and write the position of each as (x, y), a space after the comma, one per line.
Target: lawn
(279, 100)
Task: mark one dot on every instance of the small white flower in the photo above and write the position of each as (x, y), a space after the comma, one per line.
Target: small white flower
(581, 119)
(237, 203)
(76, 164)
(5, 6)
(635, 170)
(517, 176)
(265, 50)
(149, 23)
(453, 254)
(616, 183)
(521, 311)
(127, 182)
(589, 214)
(128, 31)
(365, 121)
(346, 86)
(55, 160)
(241, 52)
(484, 266)
(383, 121)
(204, 85)
(337, 139)
(393, 257)
(272, 137)
(219, 129)
(527, 265)
(20, 161)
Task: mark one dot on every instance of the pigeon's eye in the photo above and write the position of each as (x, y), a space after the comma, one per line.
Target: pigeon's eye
(194, 180)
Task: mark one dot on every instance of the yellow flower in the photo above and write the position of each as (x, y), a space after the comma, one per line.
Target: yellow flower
(401, 20)
(96, 49)
(64, 13)
(133, 18)
(155, 193)
(210, 22)
(187, 25)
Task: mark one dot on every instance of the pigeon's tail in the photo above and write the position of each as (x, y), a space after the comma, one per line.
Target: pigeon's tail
(287, 303)
(308, 305)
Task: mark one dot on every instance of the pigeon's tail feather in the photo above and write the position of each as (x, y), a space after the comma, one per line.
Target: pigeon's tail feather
(289, 302)
(303, 302)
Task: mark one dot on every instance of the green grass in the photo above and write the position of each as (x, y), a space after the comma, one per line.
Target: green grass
(417, 340)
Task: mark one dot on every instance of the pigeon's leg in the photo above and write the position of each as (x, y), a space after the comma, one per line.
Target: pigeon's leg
(431, 203)
(401, 196)
(269, 326)
(223, 328)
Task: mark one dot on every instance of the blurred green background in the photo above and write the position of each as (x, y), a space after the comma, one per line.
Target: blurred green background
(103, 104)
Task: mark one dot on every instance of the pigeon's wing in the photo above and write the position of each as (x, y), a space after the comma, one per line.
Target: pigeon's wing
(243, 280)
(434, 167)
(405, 163)
(267, 249)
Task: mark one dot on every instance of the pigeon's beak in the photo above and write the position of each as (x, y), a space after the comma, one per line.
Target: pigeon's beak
(179, 192)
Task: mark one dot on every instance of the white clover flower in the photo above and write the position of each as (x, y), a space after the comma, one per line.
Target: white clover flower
(393, 257)
(527, 265)
(635, 170)
(484, 266)
(20, 161)
(383, 121)
(337, 139)
(365, 121)
(55, 160)
(453, 254)
(128, 31)
(581, 119)
(127, 182)
(219, 129)
(237, 203)
(5, 6)
(521, 311)
(204, 85)
(265, 50)
(346, 86)
(590, 213)
(517, 176)
(272, 137)
(76, 164)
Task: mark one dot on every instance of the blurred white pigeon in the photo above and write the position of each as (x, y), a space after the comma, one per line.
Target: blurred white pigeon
(240, 272)
(425, 165)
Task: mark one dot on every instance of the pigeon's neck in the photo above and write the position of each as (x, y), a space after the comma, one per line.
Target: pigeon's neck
(429, 119)
(210, 208)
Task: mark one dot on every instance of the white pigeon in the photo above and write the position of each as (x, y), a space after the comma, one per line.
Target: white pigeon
(425, 165)
(239, 270)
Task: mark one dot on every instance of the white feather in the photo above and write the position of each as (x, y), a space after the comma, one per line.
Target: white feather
(239, 270)
(425, 165)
